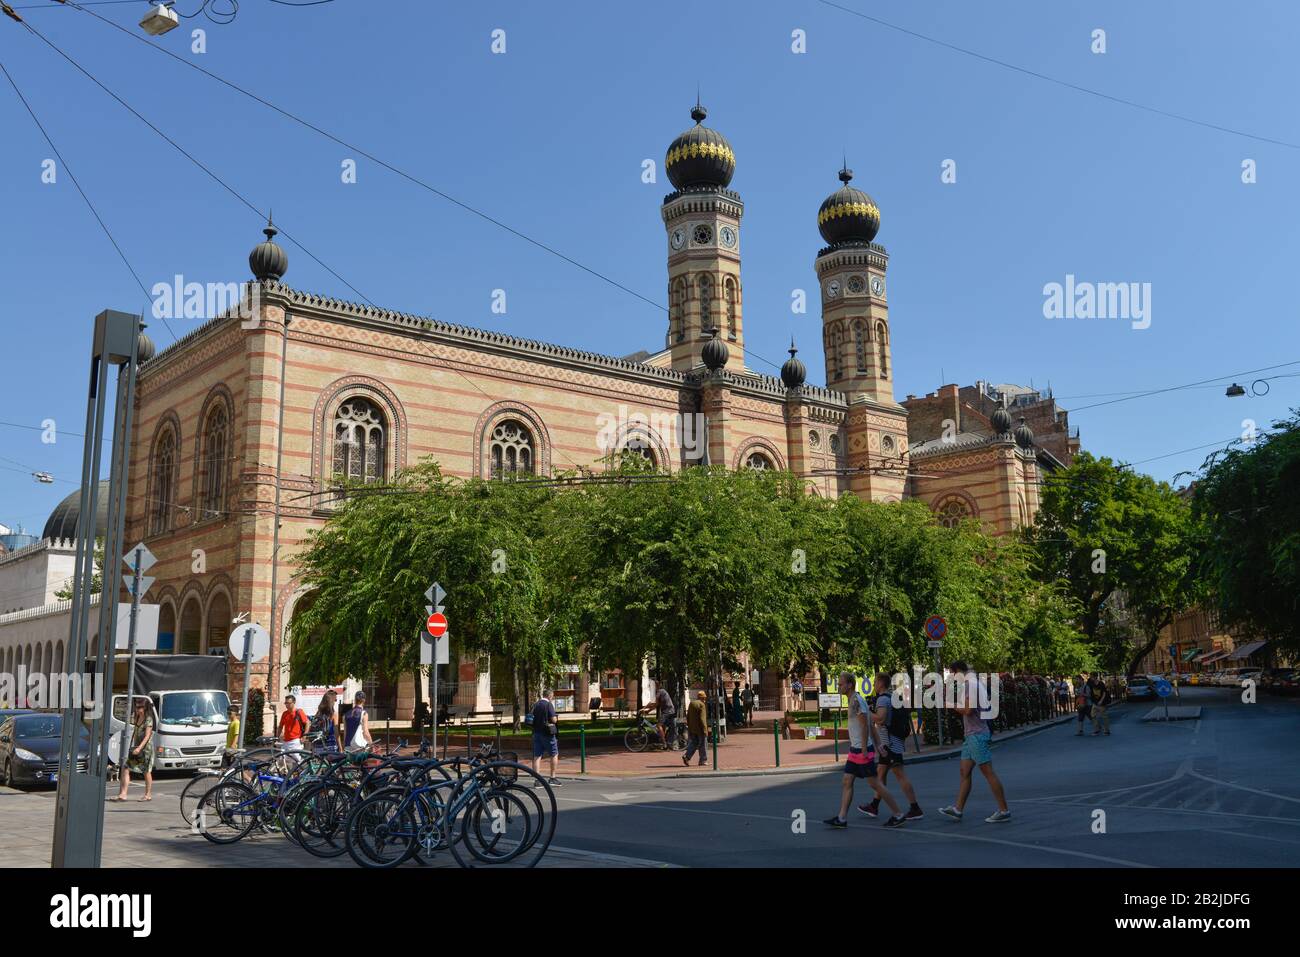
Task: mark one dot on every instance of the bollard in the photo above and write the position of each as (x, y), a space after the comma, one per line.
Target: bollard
(498, 737)
(446, 739)
(582, 745)
(715, 745)
(469, 740)
(776, 740)
(837, 735)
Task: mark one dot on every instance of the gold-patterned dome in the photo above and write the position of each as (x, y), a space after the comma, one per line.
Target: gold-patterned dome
(700, 157)
(848, 215)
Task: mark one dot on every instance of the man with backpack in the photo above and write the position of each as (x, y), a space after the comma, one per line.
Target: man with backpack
(1101, 697)
(894, 724)
(1082, 704)
(861, 761)
(293, 724)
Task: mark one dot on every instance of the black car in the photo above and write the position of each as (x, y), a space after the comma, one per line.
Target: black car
(29, 749)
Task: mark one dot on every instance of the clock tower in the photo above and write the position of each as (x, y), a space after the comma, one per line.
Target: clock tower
(855, 335)
(702, 219)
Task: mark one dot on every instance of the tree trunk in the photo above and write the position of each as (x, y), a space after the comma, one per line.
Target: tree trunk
(1153, 636)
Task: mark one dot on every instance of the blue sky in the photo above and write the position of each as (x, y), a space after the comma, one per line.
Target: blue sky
(549, 138)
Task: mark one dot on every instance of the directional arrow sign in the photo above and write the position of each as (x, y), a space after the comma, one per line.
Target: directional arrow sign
(435, 594)
(147, 558)
(145, 582)
(437, 624)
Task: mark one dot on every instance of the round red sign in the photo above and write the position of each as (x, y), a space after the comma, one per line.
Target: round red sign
(437, 624)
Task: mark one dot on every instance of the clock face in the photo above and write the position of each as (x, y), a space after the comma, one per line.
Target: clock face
(877, 286)
(678, 238)
(728, 236)
(702, 234)
(833, 288)
(856, 284)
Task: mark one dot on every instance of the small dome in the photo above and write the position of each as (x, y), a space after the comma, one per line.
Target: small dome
(715, 353)
(1001, 421)
(144, 349)
(700, 157)
(793, 371)
(848, 216)
(1024, 435)
(62, 522)
(267, 260)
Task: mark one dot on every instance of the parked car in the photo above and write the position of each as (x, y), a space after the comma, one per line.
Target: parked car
(6, 713)
(1270, 679)
(29, 749)
(1289, 683)
(1141, 686)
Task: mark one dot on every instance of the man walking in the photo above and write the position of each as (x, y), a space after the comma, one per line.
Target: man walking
(697, 730)
(893, 725)
(975, 750)
(546, 735)
(1082, 705)
(1100, 702)
(862, 759)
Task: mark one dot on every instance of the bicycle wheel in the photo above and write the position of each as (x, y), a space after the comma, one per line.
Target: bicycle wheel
(494, 828)
(227, 812)
(520, 788)
(319, 820)
(636, 739)
(198, 786)
(380, 831)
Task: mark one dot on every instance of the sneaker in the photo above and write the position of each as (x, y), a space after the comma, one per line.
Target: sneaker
(686, 761)
(836, 822)
(555, 782)
(1106, 733)
(998, 817)
(914, 813)
(951, 812)
(1078, 733)
(896, 822)
(1095, 733)
(870, 810)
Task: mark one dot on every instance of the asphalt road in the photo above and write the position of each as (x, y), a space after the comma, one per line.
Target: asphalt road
(1223, 790)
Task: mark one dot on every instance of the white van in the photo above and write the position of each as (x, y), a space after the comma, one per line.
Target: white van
(190, 727)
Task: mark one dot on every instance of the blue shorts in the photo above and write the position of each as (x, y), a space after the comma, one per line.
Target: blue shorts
(544, 744)
(977, 748)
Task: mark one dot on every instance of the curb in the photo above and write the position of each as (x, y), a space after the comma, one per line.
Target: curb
(816, 768)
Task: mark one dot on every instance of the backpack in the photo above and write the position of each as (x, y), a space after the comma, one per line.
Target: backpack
(900, 723)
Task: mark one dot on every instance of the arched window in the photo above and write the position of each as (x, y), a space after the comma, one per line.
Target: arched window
(359, 441)
(510, 450)
(838, 347)
(706, 302)
(215, 441)
(882, 350)
(677, 305)
(729, 295)
(860, 344)
(758, 461)
(164, 481)
(952, 511)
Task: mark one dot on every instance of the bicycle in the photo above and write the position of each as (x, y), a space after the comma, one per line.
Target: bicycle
(645, 734)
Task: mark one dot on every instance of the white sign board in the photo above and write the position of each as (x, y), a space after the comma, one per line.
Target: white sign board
(830, 700)
(309, 696)
(934, 644)
(146, 628)
(261, 642)
(426, 649)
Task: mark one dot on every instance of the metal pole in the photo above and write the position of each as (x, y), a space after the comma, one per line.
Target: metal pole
(582, 745)
(836, 716)
(938, 669)
(776, 740)
(434, 679)
(248, 664)
(499, 736)
(715, 745)
(130, 674)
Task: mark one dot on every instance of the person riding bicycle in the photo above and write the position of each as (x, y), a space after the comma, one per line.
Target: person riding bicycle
(665, 714)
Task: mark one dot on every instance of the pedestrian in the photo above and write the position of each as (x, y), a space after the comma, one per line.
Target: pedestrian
(976, 749)
(737, 712)
(1063, 694)
(1082, 703)
(665, 716)
(893, 723)
(356, 726)
(861, 761)
(232, 728)
(293, 724)
(796, 692)
(140, 757)
(697, 730)
(747, 699)
(1101, 698)
(326, 724)
(546, 735)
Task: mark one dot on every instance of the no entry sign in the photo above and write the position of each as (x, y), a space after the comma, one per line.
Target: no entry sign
(437, 624)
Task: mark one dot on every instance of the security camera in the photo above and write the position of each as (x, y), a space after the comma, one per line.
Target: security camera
(160, 18)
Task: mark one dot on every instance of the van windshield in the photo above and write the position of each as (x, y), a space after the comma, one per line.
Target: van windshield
(195, 707)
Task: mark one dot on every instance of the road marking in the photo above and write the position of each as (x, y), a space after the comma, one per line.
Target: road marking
(1242, 787)
(1047, 849)
(1187, 810)
(611, 858)
(1257, 837)
(680, 810)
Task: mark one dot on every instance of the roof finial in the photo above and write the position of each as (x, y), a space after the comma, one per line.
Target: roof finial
(793, 350)
(699, 113)
(846, 174)
(270, 229)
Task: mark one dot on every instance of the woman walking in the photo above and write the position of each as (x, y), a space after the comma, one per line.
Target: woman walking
(140, 757)
(325, 723)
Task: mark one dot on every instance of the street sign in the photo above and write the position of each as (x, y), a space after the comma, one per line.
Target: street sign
(934, 644)
(442, 645)
(261, 642)
(435, 594)
(145, 582)
(146, 627)
(1164, 688)
(437, 624)
(830, 700)
(147, 558)
(936, 628)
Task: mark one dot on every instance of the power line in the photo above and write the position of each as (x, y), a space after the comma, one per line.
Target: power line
(1189, 385)
(1059, 82)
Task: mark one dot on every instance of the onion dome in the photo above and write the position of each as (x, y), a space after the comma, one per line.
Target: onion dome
(267, 260)
(793, 371)
(848, 216)
(715, 353)
(62, 523)
(144, 349)
(700, 157)
(1024, 435)
(1001, 421)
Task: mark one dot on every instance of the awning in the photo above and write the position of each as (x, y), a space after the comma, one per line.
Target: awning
(1211, 657)
(1245, 651)
(1191, 653)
